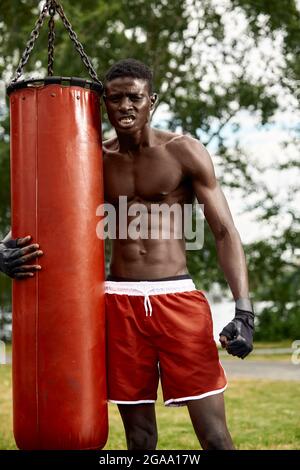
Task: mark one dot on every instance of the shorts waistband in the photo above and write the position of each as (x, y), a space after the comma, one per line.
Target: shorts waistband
(110, 277)
(148, 288)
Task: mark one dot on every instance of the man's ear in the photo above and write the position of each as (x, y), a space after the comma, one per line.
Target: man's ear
(154, 99)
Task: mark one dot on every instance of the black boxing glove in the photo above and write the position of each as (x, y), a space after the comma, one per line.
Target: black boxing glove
(8, 251)
(15, 256)
(239, 332)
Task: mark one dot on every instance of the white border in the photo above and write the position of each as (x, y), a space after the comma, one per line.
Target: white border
(172, 400)
(131, 402)
(203, 395)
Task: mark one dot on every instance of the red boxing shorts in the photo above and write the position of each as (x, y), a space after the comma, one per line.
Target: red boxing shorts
(160, 329)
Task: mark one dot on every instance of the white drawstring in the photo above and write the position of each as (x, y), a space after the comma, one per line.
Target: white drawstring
(146, 288)
(147, 304)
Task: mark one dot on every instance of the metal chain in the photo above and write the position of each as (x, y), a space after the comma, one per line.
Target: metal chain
(77, 44)
(51, 38)
(48, 7)
(31, 42)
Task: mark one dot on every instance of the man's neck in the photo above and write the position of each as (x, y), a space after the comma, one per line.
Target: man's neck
(135, 142)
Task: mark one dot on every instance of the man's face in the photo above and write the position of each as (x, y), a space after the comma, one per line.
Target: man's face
(128, 103)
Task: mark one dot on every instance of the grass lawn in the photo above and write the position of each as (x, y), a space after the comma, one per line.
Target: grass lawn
(257, 356)
(261, 414)
(285, 343)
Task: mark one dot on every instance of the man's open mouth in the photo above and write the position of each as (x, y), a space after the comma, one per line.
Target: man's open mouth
(125, 120)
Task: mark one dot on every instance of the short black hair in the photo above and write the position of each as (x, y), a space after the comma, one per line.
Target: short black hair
(130, 68)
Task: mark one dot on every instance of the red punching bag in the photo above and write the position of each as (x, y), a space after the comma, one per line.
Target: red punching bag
(59, 379)
(59, 392)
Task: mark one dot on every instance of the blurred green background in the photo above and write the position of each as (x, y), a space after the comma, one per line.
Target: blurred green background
(206, 81)
(215, 62)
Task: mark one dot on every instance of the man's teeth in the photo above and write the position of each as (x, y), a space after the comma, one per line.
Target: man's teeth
(126, 120)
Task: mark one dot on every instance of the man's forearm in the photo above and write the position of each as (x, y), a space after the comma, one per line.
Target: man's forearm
(232, 261)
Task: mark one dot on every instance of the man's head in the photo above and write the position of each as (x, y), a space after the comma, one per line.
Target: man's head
(128, 95)
(130, 68)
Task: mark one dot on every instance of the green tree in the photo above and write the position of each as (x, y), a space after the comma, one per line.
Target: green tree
(201, 53)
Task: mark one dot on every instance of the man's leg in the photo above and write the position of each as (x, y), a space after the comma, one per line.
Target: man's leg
(140, 426)
(209, 421)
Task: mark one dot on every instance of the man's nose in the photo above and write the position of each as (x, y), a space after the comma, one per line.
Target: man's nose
(125, 104)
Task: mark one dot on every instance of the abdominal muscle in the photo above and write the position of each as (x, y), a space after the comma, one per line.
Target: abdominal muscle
(157, 251)
(148, 259)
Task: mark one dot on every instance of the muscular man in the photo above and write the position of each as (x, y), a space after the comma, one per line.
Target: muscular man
(158, 324)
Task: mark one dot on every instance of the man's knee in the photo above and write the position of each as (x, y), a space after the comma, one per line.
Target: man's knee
(142, 438)
(217, 440)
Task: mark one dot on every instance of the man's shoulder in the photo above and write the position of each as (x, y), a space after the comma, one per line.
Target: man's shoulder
(180, 140)
(163, 138)
(190, 153)
(183, 146)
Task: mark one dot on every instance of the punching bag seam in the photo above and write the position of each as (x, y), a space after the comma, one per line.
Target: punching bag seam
(37, 274)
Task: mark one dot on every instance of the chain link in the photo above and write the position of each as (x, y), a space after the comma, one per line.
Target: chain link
(77, 44)
(31, 42)
(51, 38)
(50, 7)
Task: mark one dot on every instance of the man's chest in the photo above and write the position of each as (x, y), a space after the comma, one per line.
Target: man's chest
(149, 177)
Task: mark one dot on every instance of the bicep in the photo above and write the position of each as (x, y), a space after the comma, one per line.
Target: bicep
(208, 191)
(215, 207)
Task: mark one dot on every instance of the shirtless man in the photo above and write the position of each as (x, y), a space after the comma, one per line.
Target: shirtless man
(158, 324)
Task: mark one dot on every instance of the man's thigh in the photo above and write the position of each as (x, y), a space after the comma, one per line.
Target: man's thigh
(208, 411)
(140, 425)
(209, 421)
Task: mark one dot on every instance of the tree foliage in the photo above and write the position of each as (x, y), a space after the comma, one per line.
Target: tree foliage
(201, 57)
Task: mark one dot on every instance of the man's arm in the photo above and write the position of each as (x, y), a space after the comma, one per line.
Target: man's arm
(230, 252)
(199, 168)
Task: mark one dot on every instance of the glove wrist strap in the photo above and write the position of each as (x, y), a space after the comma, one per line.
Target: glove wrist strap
(244, 304)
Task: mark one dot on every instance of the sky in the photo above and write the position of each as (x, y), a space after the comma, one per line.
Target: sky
(265, 146)
(262, 144)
